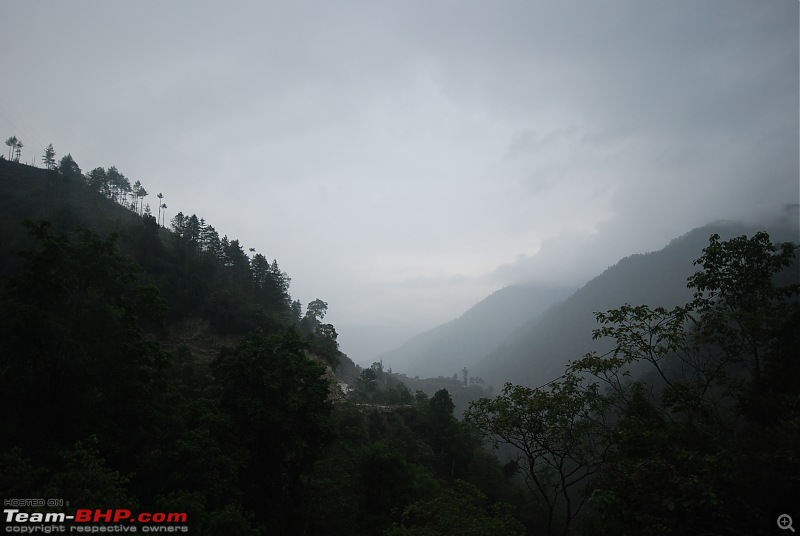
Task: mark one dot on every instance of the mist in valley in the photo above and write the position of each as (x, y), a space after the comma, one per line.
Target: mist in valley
(294, 267)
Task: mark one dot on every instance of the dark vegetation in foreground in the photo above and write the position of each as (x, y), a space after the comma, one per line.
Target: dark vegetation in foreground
(150, 369)
(144, 369)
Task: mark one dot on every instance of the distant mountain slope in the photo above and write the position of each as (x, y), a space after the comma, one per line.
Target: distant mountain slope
(538, 351)
(448, 348)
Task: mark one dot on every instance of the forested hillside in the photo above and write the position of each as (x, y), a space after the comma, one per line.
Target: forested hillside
(537, 352)
(201, 275)
(165, 370)
(702, 437)
(448, 348)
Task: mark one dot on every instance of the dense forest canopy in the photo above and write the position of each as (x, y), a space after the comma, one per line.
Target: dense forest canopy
(166, 370)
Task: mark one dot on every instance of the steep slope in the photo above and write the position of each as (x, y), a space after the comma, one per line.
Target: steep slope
(448, 348)
(212, 300)
(538, 351)
(27, 192)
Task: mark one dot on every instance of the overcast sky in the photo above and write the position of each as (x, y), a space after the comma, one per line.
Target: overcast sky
(404, 159)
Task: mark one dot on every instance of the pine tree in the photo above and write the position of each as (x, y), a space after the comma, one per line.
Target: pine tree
(49, 158)
(12, 144)
(69, 168)
(160, 197)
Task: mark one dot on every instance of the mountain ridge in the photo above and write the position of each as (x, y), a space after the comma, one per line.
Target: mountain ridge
(448, 347)
(537, 352)
(526, 334)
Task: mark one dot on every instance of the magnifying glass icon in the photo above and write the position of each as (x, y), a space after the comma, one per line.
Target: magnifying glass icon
(785, 522)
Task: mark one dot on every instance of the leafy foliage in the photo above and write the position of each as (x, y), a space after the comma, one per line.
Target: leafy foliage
(558, 440)
(689, 425)
(70, 380)
(103, 405)
(674, 426)
(277, 401)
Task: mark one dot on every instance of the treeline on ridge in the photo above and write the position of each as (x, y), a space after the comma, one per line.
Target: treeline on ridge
(101, 407)
(689, 425)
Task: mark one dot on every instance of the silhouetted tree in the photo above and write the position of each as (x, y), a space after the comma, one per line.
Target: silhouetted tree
(178, 224)
(192, 231)
(141, 193)
(315, 312)
(49, 157)
(68, 168)
(98, 181)
(701, 441)
(212, 243)
(160, 197)
(278, 400)
(135, 195)
(12, 144)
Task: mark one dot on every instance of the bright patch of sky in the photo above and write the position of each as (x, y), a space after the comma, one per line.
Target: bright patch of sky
(402, 160)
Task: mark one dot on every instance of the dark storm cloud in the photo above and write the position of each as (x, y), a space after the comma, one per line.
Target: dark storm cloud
(404, 159)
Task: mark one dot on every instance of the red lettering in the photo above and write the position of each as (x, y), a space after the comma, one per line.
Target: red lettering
(82, 515)
(100, 516)
(121, 514)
